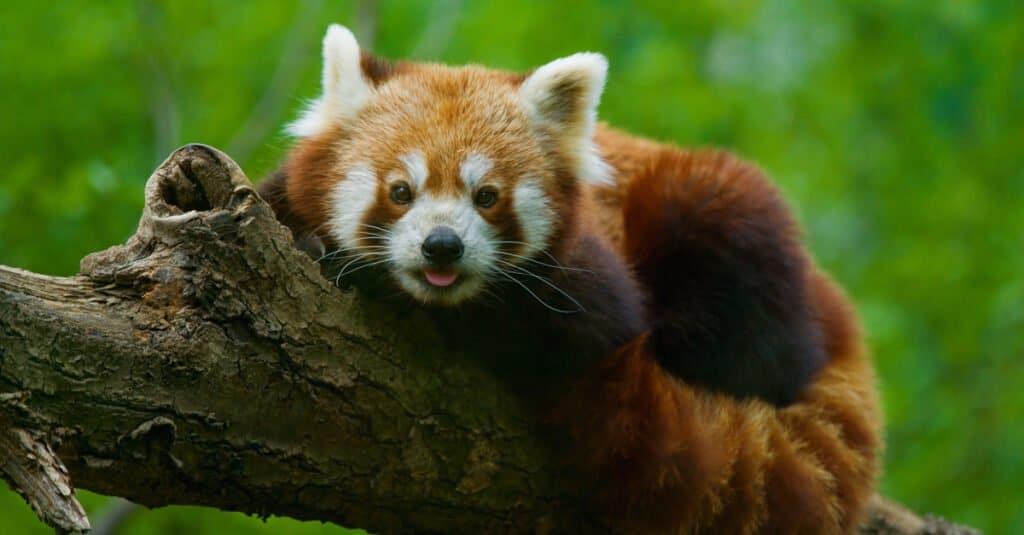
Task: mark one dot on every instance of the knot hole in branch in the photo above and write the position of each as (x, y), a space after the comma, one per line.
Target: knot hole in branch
(196, 178)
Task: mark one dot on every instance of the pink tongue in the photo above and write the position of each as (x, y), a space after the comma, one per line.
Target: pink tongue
(440, 279)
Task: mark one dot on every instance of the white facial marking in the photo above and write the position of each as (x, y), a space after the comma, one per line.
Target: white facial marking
(345, 90)
(535, 215)
(351, 198)
(473, 168)
(427, 213)
(416, 165)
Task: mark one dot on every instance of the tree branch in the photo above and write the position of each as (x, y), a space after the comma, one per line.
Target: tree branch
(208, 362)
(38, 475)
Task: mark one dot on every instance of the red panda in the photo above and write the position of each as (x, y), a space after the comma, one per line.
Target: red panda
(657, 300)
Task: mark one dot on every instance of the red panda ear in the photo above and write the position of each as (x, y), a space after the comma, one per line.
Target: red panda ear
(562, 98)
(345, 87)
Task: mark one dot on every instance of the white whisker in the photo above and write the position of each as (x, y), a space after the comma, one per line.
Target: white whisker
(364, 266)
(545, 253)
(556, 265)
(535, 296)
(546, 281)
(376, 227)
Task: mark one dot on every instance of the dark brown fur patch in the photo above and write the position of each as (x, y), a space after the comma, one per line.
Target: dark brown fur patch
(382, 213)
(377, 70)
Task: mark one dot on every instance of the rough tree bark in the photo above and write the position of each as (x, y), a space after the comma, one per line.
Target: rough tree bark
(207, 361)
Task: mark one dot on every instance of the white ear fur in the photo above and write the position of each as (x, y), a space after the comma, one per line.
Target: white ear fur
(345, 89)
(562, 97)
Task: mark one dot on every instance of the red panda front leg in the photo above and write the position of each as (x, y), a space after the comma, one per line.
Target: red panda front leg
(716, 247)
(274, 190)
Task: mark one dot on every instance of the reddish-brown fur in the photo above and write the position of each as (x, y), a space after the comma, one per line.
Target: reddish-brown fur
(673, 458)
(670, 456)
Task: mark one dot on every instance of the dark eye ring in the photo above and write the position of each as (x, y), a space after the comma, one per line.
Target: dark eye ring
(486, 197)
(401, 194)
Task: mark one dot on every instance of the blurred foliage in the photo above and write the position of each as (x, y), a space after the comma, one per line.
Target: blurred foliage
(896, 127)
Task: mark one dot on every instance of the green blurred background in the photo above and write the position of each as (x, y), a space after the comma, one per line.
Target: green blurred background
(895, 127)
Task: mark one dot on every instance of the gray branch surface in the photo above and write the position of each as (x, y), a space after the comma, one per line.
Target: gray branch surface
(208, 362)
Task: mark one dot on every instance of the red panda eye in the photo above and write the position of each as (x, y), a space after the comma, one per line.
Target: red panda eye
(401, 194)
(486, 197)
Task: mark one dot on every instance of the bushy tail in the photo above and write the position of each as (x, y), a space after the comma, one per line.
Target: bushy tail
(715, 245)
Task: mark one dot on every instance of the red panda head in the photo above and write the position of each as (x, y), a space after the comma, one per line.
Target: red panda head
(451, 177)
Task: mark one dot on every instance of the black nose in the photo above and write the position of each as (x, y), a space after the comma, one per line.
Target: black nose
(442, 246)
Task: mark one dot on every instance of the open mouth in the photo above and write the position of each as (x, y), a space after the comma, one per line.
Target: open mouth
(440, 279)
(440, 285)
